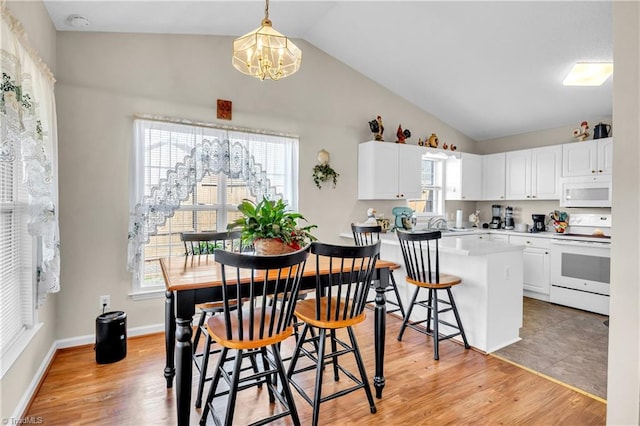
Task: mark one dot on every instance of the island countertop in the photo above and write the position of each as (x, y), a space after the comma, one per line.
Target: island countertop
(460, 243)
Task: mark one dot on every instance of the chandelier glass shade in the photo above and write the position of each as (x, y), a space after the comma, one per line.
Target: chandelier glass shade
(264, 53)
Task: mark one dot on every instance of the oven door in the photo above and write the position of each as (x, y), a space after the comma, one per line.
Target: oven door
(581, 265)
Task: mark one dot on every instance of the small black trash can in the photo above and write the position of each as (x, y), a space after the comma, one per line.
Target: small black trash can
(111, 337)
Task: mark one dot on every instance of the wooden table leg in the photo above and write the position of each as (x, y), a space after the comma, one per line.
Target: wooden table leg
(380, 327)
(184, 370)
(170, 337)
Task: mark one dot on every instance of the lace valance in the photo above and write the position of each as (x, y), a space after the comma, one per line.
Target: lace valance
(207, 157)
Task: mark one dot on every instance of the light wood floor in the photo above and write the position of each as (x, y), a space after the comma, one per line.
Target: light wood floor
(464, 387)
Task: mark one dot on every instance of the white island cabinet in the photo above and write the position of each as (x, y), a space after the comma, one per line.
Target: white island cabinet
(489, 298)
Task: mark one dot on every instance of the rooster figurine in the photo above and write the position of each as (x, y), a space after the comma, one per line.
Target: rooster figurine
(582, 133)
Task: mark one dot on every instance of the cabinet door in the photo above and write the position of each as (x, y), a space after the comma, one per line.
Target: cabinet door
(518, 175)
(536, 270)
(409, 171)
(463, 177)
(545, 172)
(579, 158)
(493, 176)
(378, 171)
(605, 156)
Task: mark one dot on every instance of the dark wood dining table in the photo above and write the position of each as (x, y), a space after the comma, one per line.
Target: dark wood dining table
(197, 279)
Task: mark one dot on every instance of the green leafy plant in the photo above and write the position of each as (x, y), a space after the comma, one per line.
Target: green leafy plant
(270, 219)
(324, 172)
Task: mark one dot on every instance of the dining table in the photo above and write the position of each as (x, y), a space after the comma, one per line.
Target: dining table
(197, 279)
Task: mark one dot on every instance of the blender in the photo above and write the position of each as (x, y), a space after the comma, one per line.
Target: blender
(496, 220)
(508, 218)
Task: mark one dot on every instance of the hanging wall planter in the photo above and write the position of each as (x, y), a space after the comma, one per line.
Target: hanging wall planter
(323, 172)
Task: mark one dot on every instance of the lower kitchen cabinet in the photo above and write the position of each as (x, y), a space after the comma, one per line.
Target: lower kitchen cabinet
(536, 258)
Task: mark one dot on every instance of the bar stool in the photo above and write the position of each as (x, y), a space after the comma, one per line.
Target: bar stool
(339, 304)
(259, 325)
(422, 262)
(366, 235)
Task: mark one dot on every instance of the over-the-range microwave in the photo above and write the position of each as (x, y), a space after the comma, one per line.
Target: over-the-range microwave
(592, 191)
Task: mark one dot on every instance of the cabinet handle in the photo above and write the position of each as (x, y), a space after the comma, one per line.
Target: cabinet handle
(528, 242)
(528, 196)
(463, 197)
(401, 195)
(546, 252)
(599, 171)
(593, 171)
(533, 196)
(501, 197)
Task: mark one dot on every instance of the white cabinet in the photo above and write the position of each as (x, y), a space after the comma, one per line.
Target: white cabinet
(493, 176)
(587, 158)
(389, 171)
(463, 177)
(534, 174)
(536, 258)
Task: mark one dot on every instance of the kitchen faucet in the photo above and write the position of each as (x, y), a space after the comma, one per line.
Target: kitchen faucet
(437, 223)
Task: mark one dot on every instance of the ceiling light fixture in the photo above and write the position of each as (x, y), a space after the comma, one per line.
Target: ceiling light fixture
(77, 21)
(265, 53)
(589, 74)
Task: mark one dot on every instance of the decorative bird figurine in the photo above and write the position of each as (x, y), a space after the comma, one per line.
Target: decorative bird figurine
(582, 133)
(400, 135)
(377, 128)
(371, 218)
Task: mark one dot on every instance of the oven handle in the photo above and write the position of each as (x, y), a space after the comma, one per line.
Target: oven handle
(581, 243)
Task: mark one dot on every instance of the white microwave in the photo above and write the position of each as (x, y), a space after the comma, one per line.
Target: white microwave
(591, 191)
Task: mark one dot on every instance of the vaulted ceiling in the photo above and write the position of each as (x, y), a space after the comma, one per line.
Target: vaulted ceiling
(489, 69)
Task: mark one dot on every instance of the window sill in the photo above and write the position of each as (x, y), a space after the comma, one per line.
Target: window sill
(17, 348)
(147, 294)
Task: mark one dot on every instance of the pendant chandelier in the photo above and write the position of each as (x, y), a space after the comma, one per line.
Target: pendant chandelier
(264, 53)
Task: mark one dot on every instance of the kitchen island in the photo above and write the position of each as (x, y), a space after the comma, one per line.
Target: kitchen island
(490, 297)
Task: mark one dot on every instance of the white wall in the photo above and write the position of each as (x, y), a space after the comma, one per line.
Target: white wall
(623, 388)
(17, 380)
(103, 79)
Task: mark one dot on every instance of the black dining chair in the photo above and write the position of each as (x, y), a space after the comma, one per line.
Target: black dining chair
(339, 304)
(205, 243)
(258, 325)
(366, 235)
(422, 261)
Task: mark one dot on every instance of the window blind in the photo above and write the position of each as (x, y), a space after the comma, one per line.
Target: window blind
(16, 257)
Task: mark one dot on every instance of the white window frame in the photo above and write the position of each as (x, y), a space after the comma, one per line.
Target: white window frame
(140, 290)
(437, 187)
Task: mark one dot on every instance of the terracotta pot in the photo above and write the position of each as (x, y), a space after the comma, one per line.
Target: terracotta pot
(270, 247)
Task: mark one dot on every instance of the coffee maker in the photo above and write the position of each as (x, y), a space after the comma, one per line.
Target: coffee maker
(508, 218)
(538, 222)
(496, 220)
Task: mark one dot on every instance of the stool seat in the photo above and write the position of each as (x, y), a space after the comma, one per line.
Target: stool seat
(446, 280)
(306, 311)
(218, 331)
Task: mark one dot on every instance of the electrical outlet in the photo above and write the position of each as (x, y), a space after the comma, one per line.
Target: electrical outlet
(105, 302)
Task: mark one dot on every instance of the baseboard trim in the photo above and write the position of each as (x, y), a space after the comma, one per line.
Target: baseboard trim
(24, 403)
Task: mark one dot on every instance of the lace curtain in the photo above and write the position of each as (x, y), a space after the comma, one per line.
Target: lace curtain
(215, 151)
(29, 140)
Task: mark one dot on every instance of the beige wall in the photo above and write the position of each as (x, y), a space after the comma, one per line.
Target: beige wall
(544, 137)
(15, 383)
(623, 390)
(103, 79)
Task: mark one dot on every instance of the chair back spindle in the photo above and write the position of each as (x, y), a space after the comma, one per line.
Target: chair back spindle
(196, 243)
(417, 254)
(365, 235)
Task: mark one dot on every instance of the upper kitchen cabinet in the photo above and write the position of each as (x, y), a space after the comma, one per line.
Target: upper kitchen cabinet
(389, 171)
(587, 158)
(534, 174)
(464, 177)
(493, 176)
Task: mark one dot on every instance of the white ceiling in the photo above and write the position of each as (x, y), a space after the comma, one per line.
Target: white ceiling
(489, 69)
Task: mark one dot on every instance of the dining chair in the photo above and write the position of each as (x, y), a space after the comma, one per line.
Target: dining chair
(366, 235)
(339, 304)
(205, 243)
(422, 261)
(258, 325)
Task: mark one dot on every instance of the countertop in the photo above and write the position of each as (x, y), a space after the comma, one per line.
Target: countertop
(452, 242)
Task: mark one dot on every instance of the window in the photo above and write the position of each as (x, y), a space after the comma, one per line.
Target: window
(432, 200)
(17, 260)
(160, 146)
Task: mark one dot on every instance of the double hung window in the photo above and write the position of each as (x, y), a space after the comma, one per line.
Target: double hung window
(212, 203)
(431, 201)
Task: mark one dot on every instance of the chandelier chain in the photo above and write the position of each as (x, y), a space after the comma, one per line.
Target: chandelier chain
(266, 10)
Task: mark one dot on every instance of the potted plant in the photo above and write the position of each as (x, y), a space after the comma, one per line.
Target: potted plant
(271, 228)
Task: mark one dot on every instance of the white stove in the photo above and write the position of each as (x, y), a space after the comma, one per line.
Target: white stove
(580, 264)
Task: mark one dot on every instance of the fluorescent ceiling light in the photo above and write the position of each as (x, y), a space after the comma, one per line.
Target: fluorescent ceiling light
(589, 74)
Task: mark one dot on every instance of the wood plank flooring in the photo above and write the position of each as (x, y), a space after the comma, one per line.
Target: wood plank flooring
(464, 387)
